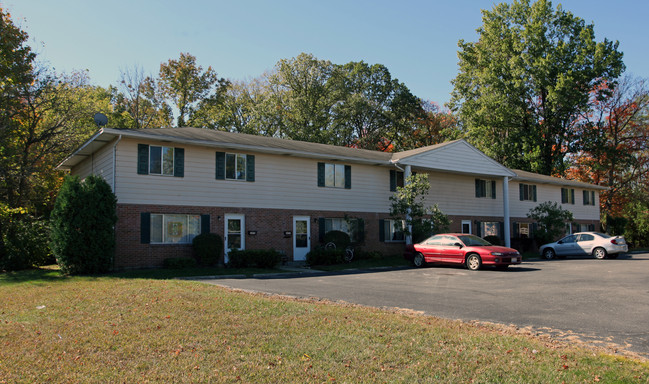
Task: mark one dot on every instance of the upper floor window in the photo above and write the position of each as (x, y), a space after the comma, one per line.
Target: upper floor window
(160, 160)
(589, 197)
(235, 166)
(567, 196)
(527, 192)
(396, 180)
(334, 175)
(485, 188)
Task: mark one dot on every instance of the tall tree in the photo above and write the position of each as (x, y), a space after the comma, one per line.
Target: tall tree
(435, 125)
(375, 108)
(142, 100)
(614, 145)
(524, 85)
(303, 93)
(186, 84)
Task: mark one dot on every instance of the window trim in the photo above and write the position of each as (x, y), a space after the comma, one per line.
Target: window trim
(322, 175)
(529, 189)
(388, 235)
(481, 190)
(568, 196)
(186, 223)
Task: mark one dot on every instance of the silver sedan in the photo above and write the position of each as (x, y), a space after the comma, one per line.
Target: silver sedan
(599, 245)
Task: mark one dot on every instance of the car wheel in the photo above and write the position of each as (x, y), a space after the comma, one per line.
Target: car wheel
(599, 253)
(473, 262)
(419, 260)
(548, 253)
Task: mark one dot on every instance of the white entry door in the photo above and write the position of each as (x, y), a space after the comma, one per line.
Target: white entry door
(235, 227)
(301, 237)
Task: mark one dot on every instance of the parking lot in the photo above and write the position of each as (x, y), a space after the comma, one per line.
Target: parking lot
(602, 302)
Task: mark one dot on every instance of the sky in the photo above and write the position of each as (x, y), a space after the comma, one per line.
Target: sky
(241, 39)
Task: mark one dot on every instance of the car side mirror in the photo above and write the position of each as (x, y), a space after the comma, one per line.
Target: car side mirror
(458, 245)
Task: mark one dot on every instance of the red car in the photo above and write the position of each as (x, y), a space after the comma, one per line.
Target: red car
(461, 248)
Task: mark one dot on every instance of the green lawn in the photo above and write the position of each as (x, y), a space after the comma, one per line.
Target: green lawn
(126, 329)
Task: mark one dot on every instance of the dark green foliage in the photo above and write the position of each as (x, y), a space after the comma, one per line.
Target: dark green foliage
(495, 240)
(551, 219)
(260, 258)
(341, 239)
(26, 243)
(179, 262)
(82, 222)
(322, 256)
(208, 248)
(408, 203)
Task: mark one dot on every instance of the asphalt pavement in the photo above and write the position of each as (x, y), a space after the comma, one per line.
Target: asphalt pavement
(601, 302)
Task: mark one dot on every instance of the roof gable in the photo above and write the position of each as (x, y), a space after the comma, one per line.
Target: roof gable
(454, 156)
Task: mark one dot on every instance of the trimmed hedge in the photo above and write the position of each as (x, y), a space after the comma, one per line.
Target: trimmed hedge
(341, 239)
(208, 248)
(260, 258)
(178, 262)
(322, 256)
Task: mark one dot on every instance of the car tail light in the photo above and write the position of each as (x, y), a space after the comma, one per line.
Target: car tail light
(614, 241)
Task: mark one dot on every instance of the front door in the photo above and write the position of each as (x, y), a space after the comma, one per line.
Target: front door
(301, 237)
(235, 225)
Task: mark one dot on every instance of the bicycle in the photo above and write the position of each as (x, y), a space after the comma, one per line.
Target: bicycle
(349, 251)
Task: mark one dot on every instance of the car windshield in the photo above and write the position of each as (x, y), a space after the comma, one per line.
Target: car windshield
(472, 241)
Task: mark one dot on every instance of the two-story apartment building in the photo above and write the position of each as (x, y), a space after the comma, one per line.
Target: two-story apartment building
(259, 192)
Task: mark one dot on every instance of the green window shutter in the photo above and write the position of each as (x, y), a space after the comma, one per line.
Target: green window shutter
(572, 196)
(585, 197)
(250, 167)
(321, 229)
(142, 159)
(145, 228)
(501, 230)
(348, 176)
(393, 180)
(521, 191)
(534, 192)
(321, 174)
(493, 189)
(535, 226)
(381, 230)
(179, 162)
(361, 230)
(478, 228)
(477, 188)
(205, 224)
(220, 165)
(517, 230)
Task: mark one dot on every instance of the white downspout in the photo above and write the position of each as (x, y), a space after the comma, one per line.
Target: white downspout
(406, 175)
(115, 164)
(506, 211)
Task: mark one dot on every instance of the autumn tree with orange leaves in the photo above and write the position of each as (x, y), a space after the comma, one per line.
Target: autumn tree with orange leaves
(614, 147)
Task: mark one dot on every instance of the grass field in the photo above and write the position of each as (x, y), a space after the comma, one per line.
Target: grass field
(134, 330)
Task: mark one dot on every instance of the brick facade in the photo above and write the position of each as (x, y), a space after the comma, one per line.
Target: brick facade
(269, 226)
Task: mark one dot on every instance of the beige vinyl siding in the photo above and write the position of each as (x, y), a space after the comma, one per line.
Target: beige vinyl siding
(550, 192)
(100, 164)
(458, 157)
(281, 182)
(455, 195)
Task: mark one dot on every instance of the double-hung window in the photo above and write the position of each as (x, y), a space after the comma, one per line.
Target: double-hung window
(485, 188)
(174, 229)
(393, 230)
(589, 197)
(567, 196)
(160, 160)
(527, 192)
(334, 175)
(235, 166)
